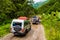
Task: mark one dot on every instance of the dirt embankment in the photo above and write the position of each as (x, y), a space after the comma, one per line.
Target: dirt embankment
(36, 33)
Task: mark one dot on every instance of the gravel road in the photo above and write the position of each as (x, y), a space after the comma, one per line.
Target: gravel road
(36, 33)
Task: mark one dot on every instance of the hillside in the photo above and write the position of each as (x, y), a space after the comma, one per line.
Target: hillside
(50, 13)
(52, 5)
(39, 4)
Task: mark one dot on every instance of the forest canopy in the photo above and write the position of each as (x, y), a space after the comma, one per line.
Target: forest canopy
(10, 9)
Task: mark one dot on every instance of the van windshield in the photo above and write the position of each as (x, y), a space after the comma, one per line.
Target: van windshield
(17, 23)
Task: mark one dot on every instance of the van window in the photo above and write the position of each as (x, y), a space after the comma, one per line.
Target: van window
(26, 23)
(17, 23)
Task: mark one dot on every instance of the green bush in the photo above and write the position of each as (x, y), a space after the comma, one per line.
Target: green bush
(4, 29)
(52, 26)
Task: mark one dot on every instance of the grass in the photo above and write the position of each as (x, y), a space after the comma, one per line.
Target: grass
(52, 26)
(4, 29)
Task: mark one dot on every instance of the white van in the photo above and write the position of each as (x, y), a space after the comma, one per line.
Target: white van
(20, 27)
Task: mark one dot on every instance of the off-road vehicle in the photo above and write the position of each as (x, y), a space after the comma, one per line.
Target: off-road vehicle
(20, 27)
(35, 20)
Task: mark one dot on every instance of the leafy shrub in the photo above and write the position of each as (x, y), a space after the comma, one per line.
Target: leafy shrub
(52, 26)
(4, 29)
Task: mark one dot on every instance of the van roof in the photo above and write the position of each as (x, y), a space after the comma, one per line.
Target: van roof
(23, 18)
(17, 20)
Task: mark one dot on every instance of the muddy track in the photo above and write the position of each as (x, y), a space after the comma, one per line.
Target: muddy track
(36, 33)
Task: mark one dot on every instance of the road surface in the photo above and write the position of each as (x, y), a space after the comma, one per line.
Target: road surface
(36, 33)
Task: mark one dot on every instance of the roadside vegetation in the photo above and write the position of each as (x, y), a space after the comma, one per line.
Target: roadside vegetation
(4, 30)
(50, 13)
(51, 24)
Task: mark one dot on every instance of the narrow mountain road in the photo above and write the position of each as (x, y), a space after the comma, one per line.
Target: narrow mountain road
(36, 33)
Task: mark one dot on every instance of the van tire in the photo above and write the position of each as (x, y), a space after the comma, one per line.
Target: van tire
(30, 28)
(16, 34)
(27, 30)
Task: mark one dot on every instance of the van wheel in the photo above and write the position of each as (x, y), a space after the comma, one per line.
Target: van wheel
(30, 28)
(27, 30)
(16, 34)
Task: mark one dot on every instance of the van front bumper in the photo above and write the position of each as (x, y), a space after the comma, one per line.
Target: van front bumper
(19, 33)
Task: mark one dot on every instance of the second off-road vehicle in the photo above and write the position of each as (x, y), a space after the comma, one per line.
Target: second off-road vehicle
(35, 20)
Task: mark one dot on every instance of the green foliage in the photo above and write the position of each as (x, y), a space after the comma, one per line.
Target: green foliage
(4, 29)
(10, 9)
(52, 5)
(51, 23)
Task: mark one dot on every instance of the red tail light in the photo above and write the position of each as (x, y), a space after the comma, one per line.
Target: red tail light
(22, 30)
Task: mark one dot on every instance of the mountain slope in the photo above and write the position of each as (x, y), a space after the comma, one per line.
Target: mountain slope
(39, 4)
(50, 6)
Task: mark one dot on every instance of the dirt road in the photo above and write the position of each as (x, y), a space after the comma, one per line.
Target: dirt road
(36, 33)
